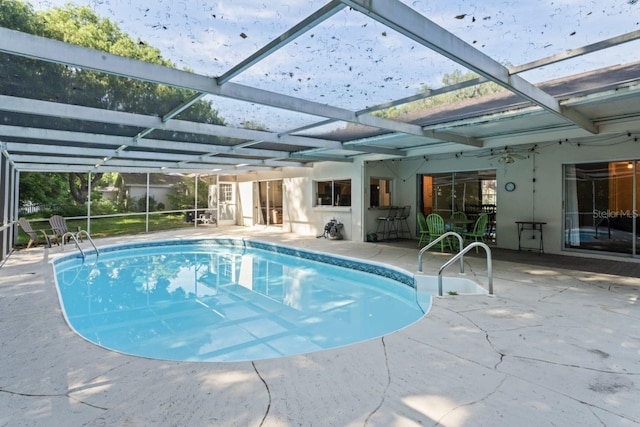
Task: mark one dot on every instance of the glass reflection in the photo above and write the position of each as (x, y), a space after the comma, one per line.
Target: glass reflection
(601, 206)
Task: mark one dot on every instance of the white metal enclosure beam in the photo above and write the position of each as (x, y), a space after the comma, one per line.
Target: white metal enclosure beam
(54, 109)
(17, 43)
(159, 161)
(202, 150)
(46, 108)
(300, 28)
(573, 53)
(135, 167)
(415, 26)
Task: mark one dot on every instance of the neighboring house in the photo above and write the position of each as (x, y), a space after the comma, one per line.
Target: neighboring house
(134, 186)
(109, 192)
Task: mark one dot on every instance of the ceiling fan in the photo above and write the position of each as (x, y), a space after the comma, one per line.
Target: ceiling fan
(509, 155)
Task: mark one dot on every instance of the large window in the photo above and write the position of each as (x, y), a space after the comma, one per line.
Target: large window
(601, 206)
(333, 193)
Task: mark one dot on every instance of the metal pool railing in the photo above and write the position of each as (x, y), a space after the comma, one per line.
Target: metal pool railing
(75, 236)
(431, 244)
(460, 255)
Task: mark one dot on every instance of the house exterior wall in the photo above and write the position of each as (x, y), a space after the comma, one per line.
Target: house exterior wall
(245, 203)
(299, 213)
(540, 200)
(160, 194)
(544, 197)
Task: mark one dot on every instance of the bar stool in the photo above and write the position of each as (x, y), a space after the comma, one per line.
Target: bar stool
(387, 224)
(402, 221)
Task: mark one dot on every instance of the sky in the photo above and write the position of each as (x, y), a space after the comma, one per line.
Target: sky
(354, 62)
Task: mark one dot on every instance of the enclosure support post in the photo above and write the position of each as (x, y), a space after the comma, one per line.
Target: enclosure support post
(89, 204)
(146, 210)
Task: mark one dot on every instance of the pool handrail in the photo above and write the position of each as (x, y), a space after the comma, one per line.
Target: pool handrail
(74, 236)
(86, 233)
(431, 244)
(460, 255)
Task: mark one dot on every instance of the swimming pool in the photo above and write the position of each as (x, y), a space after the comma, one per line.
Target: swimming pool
(229, 300)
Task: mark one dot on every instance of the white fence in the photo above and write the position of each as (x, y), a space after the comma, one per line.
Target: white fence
(29, 208)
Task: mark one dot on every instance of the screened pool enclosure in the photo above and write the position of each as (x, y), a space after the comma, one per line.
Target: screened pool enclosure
(283, 89)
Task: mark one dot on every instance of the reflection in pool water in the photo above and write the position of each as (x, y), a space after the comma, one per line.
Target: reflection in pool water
(211, 302)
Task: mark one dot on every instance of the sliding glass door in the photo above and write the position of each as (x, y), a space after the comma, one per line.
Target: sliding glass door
(268, 202)
(601, 207)
(472, 193)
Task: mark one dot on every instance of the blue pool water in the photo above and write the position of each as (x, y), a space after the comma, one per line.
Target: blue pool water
(229, 300)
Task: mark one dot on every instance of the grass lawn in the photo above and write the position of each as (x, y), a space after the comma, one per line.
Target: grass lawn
(118, 226)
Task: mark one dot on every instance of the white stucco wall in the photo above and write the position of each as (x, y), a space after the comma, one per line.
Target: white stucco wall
(540, 200)
(245, 203)
(298, 211)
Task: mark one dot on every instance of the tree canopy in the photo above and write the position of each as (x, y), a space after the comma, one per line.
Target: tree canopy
(29, 78)
(457, 76)
(81, 26)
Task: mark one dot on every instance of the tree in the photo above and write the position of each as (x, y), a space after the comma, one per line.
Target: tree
(60, 83)
(79, 185)
(457, 76)
(43, 188)
(81, 26)
(182, 194)
(254, 125)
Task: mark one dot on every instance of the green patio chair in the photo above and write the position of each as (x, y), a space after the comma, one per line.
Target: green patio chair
(435, 224)
(423, 230)
(479, 230)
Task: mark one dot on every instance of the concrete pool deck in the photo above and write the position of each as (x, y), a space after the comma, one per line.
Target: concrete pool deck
(552, 347)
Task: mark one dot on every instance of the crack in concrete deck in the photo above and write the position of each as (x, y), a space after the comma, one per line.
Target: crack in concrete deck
(386, 387)
(266, 386)
(590, 405)
(53, 395)
(464, 405)
(570, 365)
